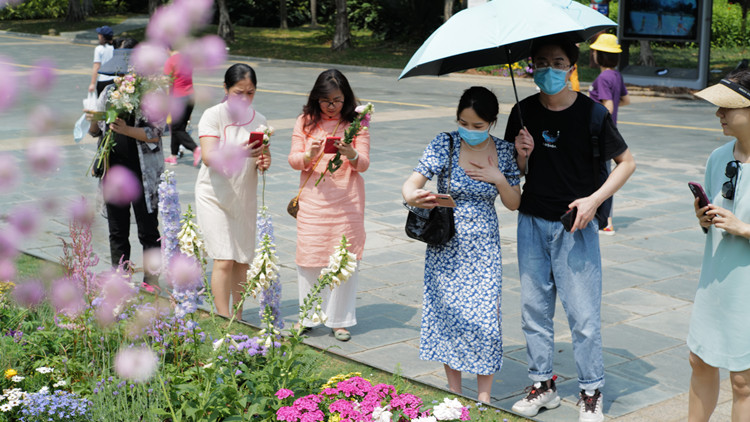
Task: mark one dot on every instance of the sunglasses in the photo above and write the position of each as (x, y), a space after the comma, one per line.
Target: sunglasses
(728, 188)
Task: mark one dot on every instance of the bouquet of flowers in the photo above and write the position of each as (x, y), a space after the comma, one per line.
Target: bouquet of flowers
(361, 122)
(123, 101)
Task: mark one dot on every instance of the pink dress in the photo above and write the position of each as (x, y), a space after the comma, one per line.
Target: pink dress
(337, 205)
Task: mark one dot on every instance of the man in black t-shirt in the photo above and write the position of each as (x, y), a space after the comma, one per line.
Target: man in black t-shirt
(555, 150)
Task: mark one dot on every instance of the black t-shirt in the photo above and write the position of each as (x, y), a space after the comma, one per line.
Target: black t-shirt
(560, 168)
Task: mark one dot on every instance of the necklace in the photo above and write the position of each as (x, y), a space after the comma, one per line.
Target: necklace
(486, 145)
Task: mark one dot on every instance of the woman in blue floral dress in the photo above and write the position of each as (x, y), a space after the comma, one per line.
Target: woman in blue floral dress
(461, 313)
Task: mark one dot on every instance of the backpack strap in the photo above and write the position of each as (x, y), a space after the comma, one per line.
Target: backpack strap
(598, 115)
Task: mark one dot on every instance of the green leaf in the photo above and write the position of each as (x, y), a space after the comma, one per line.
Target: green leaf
(111, 116)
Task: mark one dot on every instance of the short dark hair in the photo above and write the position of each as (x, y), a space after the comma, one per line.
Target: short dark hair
(482, 101)
(126, 43)
(566, 44)
(239, 72)
(607, 59)
(740, 76)
(327, 82)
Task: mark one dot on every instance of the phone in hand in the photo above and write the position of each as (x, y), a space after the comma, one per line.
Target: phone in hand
(445, 200)
(569, 218)
(256, 138)
(699, 193)
(330, 148)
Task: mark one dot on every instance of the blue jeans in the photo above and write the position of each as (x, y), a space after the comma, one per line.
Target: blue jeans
(552, 261)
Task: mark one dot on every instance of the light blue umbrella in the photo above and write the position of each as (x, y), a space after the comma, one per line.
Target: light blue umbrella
(501, 32)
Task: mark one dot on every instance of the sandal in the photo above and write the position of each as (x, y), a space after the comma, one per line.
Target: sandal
(342, 335)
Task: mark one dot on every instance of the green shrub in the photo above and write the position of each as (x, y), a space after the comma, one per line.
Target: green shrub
(55, 9)
(726, 25)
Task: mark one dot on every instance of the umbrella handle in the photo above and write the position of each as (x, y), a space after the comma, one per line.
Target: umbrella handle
(513, 80)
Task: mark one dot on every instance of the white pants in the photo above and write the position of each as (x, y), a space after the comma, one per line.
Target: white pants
(339, 304)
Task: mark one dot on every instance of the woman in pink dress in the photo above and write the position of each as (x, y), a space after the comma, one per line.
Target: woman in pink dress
(336, 206)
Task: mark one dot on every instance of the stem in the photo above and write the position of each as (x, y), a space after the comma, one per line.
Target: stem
(166, 397)
(263, 192)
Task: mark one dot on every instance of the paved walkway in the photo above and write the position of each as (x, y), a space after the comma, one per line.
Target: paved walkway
(650, 266)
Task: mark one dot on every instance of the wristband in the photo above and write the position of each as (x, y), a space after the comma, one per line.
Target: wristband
(356, 155)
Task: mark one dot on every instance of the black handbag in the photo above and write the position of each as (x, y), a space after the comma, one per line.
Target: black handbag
(438, 227)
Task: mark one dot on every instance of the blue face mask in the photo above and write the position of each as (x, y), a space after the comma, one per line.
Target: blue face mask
(550, 80)
(473, 137)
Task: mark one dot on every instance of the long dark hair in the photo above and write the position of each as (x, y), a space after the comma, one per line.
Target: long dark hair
(482, 101)
(327, 82)
(238, 72)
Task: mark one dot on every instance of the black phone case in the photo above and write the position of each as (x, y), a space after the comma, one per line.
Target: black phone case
(569, 218)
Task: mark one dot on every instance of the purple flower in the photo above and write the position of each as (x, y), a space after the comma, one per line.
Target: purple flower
(9, 241)
(41, 119)
(44, 156)
(7, 269)
(67, 297)
(185, 273)
(284, 393)
(155, 106)
(25, 219)
(29, 294)
(9, 172)
(42, 76)
(80, 211)
(116, 290)
(168, 25)
(136, 364)
(120, 186)
(206, 53)
(8, 84)
(198, 11)
(169, 210)
(148, 58)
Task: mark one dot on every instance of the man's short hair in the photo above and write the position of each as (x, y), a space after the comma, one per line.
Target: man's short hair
(566, 44)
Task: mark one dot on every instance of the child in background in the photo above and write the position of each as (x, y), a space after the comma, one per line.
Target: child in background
(608, 88)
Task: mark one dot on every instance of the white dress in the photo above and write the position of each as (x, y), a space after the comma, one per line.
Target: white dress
(226, 207)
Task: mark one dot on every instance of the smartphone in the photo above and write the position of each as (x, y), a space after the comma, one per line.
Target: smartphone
(445, 200)
(699, 193)
(569, 218)
(256, 138)
(330, 148)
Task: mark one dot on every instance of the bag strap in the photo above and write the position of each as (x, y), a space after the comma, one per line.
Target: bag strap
(598, 115)
(450, 161)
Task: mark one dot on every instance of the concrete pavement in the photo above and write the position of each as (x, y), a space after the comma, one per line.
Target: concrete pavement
(650, 266)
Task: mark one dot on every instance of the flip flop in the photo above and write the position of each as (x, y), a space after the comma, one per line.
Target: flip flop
(342, 335)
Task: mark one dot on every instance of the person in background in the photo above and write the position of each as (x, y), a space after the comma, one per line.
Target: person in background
(718, 335)
(463, 278)
(336, 206)
(181, 74)
(226, 202)
(609, 89)
(102, 54)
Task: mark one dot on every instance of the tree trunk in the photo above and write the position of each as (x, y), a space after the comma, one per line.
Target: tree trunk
(75, 11)
(447, 10)
(152, 5)
(314, 13)
(647, 56)
(342, 39)
(88, 7)
(282, 15)
(226, 31)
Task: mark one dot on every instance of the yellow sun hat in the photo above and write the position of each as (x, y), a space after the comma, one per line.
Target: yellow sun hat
(606, 43)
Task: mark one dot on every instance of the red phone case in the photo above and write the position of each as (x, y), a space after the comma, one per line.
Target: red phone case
(699, 193)
(329, 147)
(255, 139)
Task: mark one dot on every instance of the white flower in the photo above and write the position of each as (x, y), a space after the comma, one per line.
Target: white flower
(449, 409)
(381, 414)
(269, 341)
(44, 370)
(316, 319)
(17, 378)
(44, 390)
(425, 419)
(6, 408)
(60, 383)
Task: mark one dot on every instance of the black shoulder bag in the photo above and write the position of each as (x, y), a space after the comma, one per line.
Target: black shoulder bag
(438, 227)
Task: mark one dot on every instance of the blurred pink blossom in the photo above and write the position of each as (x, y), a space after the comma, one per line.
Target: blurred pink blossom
(7, 269)
(9, 172)
(44, 156)
(8, 84)
(198, 11)
(136, 364)
(25, 218)
(67, 297)
(177, 107)
(29, 294)
(155, 106)
(148, 58)
(228, 159)
(120, 186)
(152, 261)
(80, 211)
(41, 119)
(116, 290)
(207, 52)
(185, 273)
(42, 76)
(240, 108)
(9, 240)
(168, 25)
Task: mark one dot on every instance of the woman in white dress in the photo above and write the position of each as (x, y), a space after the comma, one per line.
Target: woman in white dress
(225, 192)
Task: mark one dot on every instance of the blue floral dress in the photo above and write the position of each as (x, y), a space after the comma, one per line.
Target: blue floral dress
(461, 313)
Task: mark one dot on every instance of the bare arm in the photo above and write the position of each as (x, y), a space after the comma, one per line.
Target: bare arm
(119, 126)
(94, 74)
(414, 193)
(610, 105)
(625, 100)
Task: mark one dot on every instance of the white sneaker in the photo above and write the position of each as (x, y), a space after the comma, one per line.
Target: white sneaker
(591, 407)
(541, 394)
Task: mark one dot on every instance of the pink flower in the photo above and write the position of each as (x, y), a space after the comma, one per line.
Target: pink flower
(314, 416)
(9, 172)
(228, 159)
(149, 58)
(115, 292)
(288, 413)
(81, 212)
(185, 273)
(206, 53)
(155, 106)
(240, 108)
(41, 120)
(284, 393)
(43, 156)
(120, 186)
(9, 240)
(309, 403)
(136, 364)
(25, 219)
(342, 406)
(465, 414)
(42, 76)
(329, 392)
(168, 25)
(8, 84)
(29, 294)
(7, 269)
(198, 11)
(67, 297)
